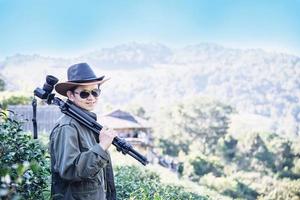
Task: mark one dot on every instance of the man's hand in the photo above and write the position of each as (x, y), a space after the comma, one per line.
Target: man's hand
(106, 137)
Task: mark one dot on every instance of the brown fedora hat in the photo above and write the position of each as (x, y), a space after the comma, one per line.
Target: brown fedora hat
(79, 74)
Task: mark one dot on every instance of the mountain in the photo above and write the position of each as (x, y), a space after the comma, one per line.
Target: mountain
(129, 56)
(253, 81)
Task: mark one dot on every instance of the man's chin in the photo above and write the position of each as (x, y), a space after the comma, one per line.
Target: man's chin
(89, 108)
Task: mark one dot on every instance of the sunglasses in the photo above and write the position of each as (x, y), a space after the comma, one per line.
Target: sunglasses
(86, 93)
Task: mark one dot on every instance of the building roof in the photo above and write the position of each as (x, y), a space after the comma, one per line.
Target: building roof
(119, 119)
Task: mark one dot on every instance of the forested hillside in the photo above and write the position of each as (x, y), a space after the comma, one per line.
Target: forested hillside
(252, 81)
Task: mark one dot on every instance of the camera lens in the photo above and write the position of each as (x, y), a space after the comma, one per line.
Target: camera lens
(51, 80)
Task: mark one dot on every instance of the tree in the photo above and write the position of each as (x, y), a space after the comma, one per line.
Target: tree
(197, 119)
(255, 155)
(227, 147)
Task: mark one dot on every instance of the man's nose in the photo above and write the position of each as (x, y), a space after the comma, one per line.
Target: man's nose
(90, 97)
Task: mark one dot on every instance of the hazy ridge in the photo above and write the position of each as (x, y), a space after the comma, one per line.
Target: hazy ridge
(254, 81)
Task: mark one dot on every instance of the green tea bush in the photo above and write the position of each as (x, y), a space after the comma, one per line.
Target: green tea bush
(136, 184)
(24, 169)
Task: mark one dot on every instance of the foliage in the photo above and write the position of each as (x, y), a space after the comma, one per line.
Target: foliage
(255, 155)
(24, 167)
(195, 132)
(229, 186)
(15, 100)
(170, 148)
(284, 154)
(203, 166)
(271, 151)
(227, 147)
(134, 183)
(241, 190)
(198, 119)
(285, 189)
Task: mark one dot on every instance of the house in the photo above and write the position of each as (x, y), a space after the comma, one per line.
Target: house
(136, 130)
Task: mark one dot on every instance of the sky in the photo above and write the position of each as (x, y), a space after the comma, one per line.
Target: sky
(68, 28)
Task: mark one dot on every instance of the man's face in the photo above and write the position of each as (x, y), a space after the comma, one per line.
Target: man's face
(84, 96)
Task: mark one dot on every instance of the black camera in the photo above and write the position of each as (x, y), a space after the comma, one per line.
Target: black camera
(47, 88)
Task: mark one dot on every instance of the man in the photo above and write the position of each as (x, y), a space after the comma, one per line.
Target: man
(81, 167)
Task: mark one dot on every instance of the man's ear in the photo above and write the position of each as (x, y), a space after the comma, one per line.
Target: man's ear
(70, 95)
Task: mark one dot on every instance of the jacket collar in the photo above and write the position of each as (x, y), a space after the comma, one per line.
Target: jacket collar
(91, 114)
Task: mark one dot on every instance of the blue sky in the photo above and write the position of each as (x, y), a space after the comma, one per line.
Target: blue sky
(70, 27)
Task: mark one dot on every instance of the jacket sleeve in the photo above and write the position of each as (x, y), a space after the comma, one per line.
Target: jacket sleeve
(70, 163)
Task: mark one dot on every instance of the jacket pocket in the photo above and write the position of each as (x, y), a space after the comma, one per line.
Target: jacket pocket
(91, 195)
(87, 190)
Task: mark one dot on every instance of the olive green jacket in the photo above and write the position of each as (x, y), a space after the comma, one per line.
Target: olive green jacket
(81, 169)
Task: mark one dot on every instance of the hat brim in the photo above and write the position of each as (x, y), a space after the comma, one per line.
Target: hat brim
(63, 87)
